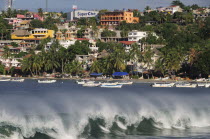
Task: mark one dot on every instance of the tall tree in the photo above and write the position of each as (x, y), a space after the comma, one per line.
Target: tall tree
(40, 12)
(179, 3)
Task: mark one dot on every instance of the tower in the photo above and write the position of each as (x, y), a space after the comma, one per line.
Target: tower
(46, 6)
(8, 4)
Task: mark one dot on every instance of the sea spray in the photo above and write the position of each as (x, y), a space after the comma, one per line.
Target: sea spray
(69, 111)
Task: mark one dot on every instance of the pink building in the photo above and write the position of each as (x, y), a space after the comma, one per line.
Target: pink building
(30, 16)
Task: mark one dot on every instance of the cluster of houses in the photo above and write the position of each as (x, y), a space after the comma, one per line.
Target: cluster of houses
(25, 37)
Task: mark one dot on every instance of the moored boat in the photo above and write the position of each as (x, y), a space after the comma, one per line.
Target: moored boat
(200, 79)
(80, 82)
(4, 79)
(84, 81)
(46, 81)
(207, 85)
(17, 80)
(110, 83)
(203, 84)
(163, 84)
(186, 85)
(126, 82)
(91, 84)
(112, 86)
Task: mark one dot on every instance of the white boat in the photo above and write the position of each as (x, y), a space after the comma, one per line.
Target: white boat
(200, 80)
(83, 81)
(186, 85)
(80, 82)
(46, 81)
(158, 79)
(203, 84)
(112, 86)
(207, 85)
(163, 84)
(4, 80)
(91, 84)
(126, 83)
(17, 80)
(166, 78)
(110, 83)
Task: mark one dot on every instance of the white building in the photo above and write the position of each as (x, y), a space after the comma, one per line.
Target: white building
(10, 62)
(81, 14)
(136, 35)
(63, 43)
(170, 9)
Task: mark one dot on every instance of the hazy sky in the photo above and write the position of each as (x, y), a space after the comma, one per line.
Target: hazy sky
(65, 5)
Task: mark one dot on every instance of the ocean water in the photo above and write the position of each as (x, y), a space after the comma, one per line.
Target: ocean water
(65, 110)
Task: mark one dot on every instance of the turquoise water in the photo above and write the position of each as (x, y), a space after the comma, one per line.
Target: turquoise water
(65, 110)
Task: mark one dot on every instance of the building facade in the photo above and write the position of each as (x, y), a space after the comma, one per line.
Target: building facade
(38, 33)
(136, 35)
(170, 9)
(81, 14)
(115, 17)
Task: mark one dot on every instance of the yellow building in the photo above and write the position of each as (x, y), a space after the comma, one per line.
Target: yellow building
(114, 18)
(38, 34)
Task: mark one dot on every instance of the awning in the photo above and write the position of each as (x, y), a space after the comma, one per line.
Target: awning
(96, 74)
(120, 74)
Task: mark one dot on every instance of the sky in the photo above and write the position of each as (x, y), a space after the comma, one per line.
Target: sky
(65, 5)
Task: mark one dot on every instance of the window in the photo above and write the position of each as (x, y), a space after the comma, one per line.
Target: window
(130, 33)
(134, 33)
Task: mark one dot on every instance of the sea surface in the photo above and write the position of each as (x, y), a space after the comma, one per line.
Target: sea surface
(65, 110)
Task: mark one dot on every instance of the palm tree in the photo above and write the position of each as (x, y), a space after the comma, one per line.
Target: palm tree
(172, 59)
(148, 54)
(27, 65)
(3, 30)
(75, 67)
(7, 52)
(159, 66)
(51, 63)
(37, 64)
(96, 67)
(118, 58)
(40, 12)
(147, 8)
(193, 56)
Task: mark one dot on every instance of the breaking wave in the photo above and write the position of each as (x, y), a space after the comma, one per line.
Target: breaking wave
(95, 113)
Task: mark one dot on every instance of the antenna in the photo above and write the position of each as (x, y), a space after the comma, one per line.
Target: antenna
(46, 5)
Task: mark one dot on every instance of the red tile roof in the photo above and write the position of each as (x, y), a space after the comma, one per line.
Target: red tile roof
(127, 42)
(173, 5)
(27, 56)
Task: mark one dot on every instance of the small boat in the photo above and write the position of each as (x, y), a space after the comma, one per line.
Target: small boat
(207, 85)
(186, 85)
(200, 79)
(112, 86)
(126, 83)
(110, 83)
(166, 78)
(203, 84)
(163, 85)
(91, 84)
(83, 81)
(17, 80)
(4, 80)
(46, 81)
(158, 79)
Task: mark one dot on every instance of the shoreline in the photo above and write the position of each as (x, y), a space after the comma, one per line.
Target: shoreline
(133, 80)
